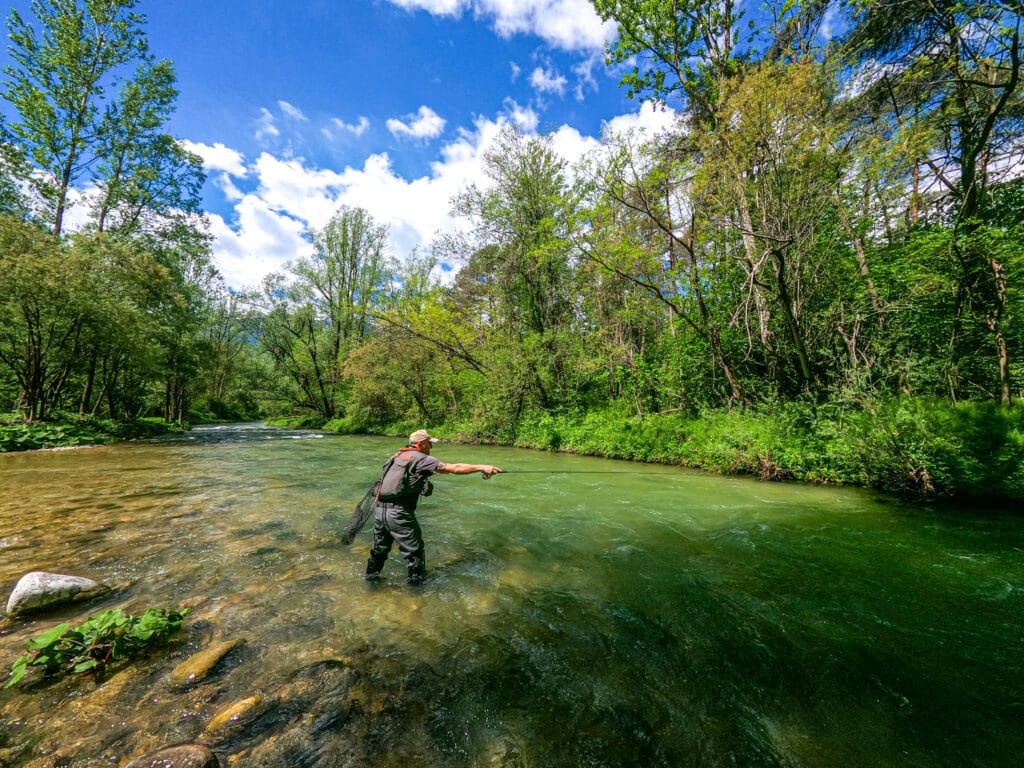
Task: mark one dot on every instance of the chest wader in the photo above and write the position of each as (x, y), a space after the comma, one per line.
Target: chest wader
(393, 524)
(395, 519)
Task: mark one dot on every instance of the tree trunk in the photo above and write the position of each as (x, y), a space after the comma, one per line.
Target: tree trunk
(788, 314)
(90, 379)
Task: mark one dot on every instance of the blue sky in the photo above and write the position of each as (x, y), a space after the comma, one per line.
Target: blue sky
(300, 106)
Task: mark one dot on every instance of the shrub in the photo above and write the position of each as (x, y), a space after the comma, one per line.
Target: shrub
(346, 425)
(303, 421)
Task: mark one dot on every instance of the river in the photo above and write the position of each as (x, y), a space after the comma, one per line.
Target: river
(578, 612)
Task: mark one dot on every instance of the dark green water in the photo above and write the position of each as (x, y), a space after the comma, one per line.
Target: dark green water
(594, 613)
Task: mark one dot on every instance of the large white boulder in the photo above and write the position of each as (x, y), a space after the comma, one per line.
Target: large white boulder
(39, 590)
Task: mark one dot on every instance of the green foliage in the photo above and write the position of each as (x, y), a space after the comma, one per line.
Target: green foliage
(24, 437)
(913, 447)
(103, 639)
(17, 435)
(346, 426)
(107, 319)
(931, 448)
(311, 318)
(89, 103)
(302, 421)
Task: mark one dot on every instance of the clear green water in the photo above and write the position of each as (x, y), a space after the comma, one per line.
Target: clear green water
(582, 612)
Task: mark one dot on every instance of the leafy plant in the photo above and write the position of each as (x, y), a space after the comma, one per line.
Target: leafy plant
(107, 637)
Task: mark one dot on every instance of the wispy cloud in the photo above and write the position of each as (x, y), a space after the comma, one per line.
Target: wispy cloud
(265, 127)
(584, 71)
(425, 124)
(436, 7)
(357, 129)
(524, 118)
(547, 81)
(292, 111)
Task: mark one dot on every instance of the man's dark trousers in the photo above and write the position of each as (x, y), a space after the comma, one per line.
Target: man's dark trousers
(393, 523)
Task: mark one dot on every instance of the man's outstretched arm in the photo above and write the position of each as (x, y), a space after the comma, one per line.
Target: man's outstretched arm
(467, 469)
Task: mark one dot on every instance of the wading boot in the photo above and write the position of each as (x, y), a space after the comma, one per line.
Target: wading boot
(417, 571)
(373, 568)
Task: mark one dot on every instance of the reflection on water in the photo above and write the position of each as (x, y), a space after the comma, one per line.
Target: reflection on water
(580, 612)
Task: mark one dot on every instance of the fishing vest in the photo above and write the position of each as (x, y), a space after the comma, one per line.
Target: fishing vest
(403, 480)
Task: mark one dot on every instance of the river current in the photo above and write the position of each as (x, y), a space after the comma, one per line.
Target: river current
(578, 612)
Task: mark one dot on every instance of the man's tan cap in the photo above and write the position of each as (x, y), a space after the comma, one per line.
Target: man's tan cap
(421, 436)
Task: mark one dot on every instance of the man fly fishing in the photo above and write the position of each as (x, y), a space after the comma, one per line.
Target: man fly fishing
(405, 478)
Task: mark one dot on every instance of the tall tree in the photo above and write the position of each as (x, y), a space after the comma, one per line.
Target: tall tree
(59, 85)
(947, 76)
(643, 228)
(313, 320)
(678, 52)
(519, 247)
(90, 107)
(771, 172)
(46, 292)
(146, 179)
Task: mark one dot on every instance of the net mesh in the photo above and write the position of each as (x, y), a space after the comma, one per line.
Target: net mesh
(362, 513)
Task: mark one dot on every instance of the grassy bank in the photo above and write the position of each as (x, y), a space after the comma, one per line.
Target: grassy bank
(19, 435)
(912, 447)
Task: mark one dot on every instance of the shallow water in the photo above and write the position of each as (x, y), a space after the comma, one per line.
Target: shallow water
(579, 612)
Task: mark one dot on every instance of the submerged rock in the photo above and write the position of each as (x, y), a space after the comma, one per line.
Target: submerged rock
(199, 666)
(40, 590)
(237, 711)
(180, 756)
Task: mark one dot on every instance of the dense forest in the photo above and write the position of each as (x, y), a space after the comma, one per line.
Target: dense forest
(815, 274)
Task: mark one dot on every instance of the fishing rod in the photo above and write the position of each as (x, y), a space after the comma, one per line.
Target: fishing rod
(572, 472)
(364, 509)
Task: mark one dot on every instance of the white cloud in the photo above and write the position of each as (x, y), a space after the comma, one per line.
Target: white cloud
(289, 196)
(524, 117)
(425, 124)
(547, 81)
(833, 24)
(572, 25)
(77, 214)
(231, 192)
(259, 242)
(584, 71)
(292, 111)
(436, 7)
(652, 119)
(265, 125)
(218, 157)
(516, 71)
(357, 129)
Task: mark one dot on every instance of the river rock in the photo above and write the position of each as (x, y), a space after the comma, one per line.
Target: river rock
(237, 711)
(180, 756)
(39, 590)
(200, 665)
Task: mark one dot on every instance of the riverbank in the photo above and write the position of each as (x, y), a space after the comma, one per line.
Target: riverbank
(19, 435)
(915, 448)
